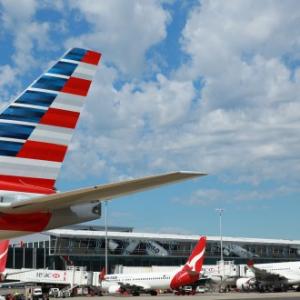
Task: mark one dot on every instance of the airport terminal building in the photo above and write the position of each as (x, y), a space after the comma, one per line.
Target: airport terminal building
(84, 245)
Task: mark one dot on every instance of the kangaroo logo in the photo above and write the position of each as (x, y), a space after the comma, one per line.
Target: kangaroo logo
(194, 260)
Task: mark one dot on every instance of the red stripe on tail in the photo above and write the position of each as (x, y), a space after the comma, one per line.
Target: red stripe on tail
(27, 184)
(77, 86)
(91, 57)
(60, 117)
(44, 151)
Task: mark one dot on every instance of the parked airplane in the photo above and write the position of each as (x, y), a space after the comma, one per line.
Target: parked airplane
(149, 282)
(35, 130)
(270, 276)
(3, 258)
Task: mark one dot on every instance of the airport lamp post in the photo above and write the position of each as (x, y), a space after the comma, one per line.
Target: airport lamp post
(220, 211)
(106, 242)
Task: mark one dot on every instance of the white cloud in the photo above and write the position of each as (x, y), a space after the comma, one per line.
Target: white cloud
(28, 35)
(249, 106)
(127, 127)
(245, 121)
(122, 30)
(222, 32)
(7, 75)
(7, 79)
(237, 197)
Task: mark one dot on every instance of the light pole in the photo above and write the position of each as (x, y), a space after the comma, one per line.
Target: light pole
(106, 244)
(220, 211)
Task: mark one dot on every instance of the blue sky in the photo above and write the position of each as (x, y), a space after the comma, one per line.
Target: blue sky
(209, 86)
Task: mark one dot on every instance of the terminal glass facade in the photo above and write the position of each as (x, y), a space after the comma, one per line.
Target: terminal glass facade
(56, 252)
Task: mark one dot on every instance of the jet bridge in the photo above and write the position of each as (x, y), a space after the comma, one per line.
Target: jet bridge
(72, 276)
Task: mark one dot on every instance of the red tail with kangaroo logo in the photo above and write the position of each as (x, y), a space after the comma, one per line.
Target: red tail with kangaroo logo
(195, 261)
(191, 270)
(3, 257)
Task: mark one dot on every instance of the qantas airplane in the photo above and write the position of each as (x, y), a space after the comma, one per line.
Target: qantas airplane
(3, 258)
(35, 131)
(150, 282)
(271, 276)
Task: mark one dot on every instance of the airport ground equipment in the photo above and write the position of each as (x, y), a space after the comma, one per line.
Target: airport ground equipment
(27, 292)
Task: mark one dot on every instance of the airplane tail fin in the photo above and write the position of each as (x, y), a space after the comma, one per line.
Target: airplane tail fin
(102, 274)
(250, 263)
(195, 261)
(36, 128)
(3, 255)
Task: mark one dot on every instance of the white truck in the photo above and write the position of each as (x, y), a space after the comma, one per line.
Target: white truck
(35, 293)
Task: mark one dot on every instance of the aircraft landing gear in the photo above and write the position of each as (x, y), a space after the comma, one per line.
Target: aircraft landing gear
(153, 293)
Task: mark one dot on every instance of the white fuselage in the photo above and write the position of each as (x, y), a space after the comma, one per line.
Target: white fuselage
(289, 270)
(148, 281)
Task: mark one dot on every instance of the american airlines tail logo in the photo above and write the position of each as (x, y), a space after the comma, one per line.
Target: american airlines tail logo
(194, 260)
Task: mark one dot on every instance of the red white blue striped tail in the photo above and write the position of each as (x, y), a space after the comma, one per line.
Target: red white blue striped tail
(36, 128)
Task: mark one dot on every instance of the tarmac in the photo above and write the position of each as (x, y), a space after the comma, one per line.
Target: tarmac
(208, 296)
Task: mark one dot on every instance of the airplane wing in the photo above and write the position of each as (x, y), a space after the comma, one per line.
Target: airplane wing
(264, 275)
(94, 194)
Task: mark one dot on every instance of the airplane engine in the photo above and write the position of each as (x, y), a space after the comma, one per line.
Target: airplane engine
(74, 214)
(245, 284)
(114, 289)
(215, 279)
